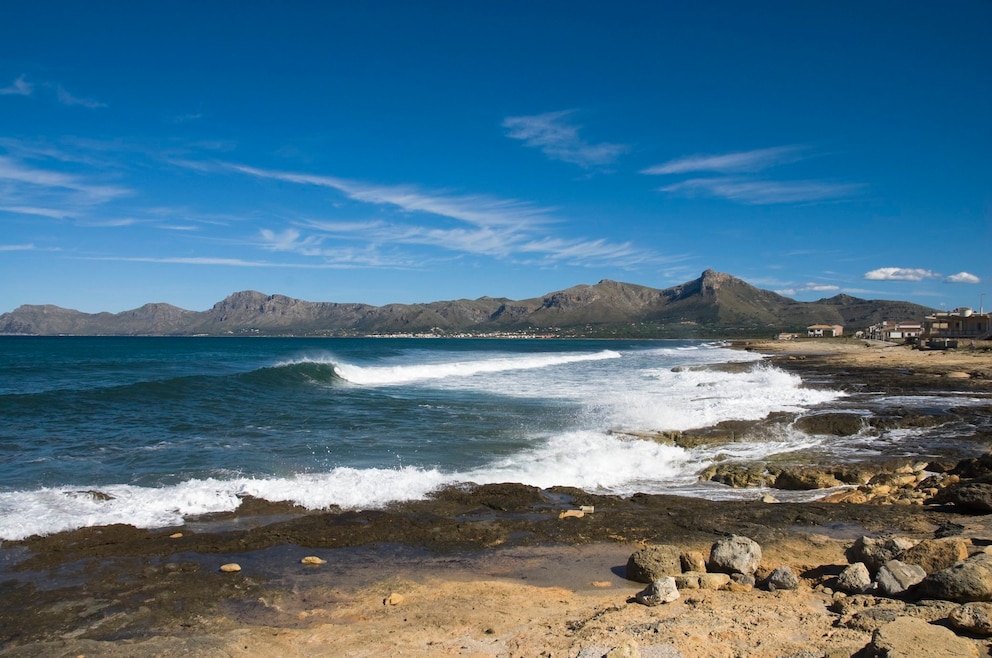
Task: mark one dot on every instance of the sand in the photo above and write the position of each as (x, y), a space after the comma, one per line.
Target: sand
(489, 575)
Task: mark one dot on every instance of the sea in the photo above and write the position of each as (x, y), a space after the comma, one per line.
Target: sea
(154, 431)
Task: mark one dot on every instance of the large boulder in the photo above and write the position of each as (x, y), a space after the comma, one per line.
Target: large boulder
(653, 562)
(969, 580)
(735, 554)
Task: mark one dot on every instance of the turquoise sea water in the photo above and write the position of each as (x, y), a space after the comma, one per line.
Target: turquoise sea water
(151, 430)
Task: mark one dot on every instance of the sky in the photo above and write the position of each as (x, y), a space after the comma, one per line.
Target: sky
(402, 152)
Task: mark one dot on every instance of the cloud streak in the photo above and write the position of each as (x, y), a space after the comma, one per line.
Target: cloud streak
(738, 184)
(558, 139)
(764, 192)
(743, 161)
(20, 87)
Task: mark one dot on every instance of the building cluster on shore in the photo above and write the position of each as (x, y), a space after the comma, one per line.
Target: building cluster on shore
(941, 329)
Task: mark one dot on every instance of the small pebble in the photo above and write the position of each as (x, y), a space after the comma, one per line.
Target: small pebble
(231, 567)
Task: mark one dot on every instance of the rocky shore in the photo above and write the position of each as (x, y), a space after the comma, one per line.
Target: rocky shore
(889, 560)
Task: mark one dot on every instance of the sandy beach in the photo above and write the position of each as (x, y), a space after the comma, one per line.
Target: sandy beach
(502, 570)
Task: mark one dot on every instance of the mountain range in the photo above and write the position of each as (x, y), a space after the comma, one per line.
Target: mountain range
(714, 305)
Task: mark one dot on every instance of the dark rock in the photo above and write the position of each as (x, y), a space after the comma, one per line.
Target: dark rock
(833, 424)
(970, 580)
(653, 562)
(968, 496)
(739, 476)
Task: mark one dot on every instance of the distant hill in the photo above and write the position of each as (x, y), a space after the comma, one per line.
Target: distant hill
(714, 305)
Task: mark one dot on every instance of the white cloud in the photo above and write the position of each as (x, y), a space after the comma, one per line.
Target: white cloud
(764, 192)
(52, 213)
(900, 274)
(560, 140)
(743, 161)
(20, 87)
(963, 277)
(17, 247)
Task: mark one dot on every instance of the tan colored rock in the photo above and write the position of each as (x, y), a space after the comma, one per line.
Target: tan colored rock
(693, 561)
(936, 554)
(974, 618)
(907, 637)
(958, 374)
(175, 535)
(230, 567)
(572, 514)
(393, 599)
(313, 560)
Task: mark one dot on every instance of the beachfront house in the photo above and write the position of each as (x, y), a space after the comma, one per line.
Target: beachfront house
(889, 330)
(824, 331)
(959, 323)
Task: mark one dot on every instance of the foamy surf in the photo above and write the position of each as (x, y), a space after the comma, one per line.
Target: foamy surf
(404, 374)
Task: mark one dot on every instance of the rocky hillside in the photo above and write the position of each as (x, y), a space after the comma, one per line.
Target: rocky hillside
(715, 304)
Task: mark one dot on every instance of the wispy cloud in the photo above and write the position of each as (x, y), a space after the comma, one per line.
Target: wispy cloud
(742, 161)
(963, 277)
(764, 192)
(17, 247)
(66, 98)
(739, 186)
(20, 87)
(559, 140)
(51, 213)
(27, 180)
(900, 274)
(475, 209)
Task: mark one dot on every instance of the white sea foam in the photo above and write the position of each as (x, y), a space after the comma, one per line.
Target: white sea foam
(403, 374)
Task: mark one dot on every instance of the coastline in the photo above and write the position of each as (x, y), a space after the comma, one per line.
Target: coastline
(477, 572)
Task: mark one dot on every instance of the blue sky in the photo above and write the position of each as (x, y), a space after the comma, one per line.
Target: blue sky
(417, 151)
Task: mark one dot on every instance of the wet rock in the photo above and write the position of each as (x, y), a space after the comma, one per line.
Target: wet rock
(968, 496)
(876, 551)
(804, 478)
(907, 637)
(967, 581)
(936, 554)
(896, 578)
(660, 591)
(735, 554)
(782, 578)
(739, 476)
(833, 424)
(973, 618)
(653, 562)
(855, 579)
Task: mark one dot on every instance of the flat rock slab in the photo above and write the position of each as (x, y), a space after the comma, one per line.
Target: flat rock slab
(908, 637)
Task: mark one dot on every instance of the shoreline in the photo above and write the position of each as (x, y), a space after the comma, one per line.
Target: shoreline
(491, 570)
